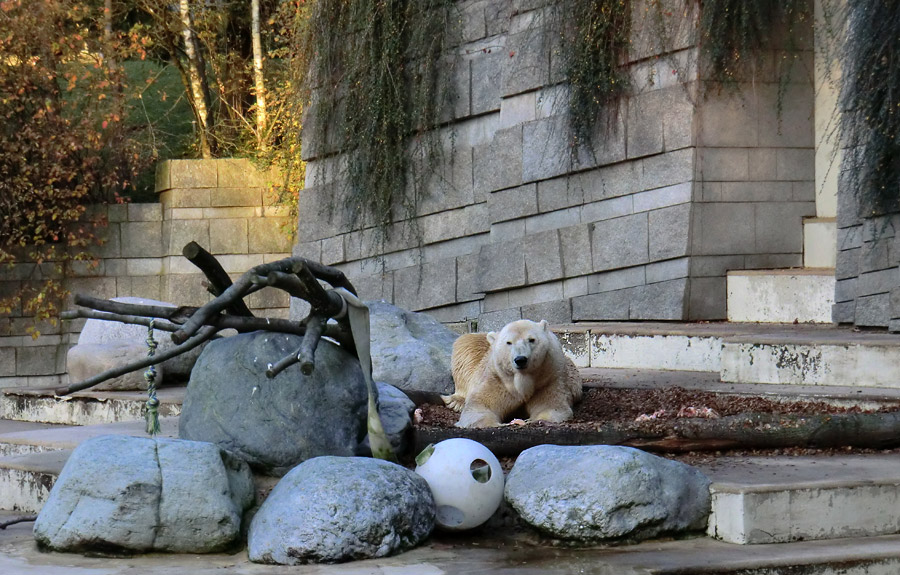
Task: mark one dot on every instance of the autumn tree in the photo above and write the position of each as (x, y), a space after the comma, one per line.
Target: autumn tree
(62, 140)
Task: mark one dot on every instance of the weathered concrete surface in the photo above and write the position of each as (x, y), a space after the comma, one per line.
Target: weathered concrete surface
(452, 556)
(798, 361)
(781, 296)
(774, 500)
(670, 352)
(91, 407)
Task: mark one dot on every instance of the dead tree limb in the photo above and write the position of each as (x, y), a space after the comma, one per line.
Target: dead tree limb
(745, 431)
(203, 335)
(174, 314)
(19, 519)
(159, 324)
(191, 326)
(239, 323)
(245, 283)
(215, 273)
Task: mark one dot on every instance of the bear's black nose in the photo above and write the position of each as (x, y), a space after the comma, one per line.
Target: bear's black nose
(520, 361)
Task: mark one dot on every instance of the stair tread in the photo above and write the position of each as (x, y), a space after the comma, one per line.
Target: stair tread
(68, 437)
(762, 474)
(710, 381)
(704, 329)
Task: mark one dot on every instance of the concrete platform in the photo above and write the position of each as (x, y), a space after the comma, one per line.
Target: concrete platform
(781, 499)
(42, 437)
(780, 296)
(790, 354)
(85, 408)
(485, 553)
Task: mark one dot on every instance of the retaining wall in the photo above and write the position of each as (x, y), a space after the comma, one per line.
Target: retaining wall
(682, 185)
(221, 204)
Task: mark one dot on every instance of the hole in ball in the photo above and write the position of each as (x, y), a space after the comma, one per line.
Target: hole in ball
(449, 516)
(480, 470)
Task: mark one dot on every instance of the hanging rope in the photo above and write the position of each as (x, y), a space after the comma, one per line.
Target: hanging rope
(152, 414)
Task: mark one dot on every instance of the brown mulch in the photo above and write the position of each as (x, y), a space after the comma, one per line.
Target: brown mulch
(656, 409)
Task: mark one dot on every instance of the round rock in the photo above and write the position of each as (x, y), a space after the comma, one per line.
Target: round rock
(603, 492)
(112, 333)
(410, 350)
(333, 509)
(274, 424)
(136, 494)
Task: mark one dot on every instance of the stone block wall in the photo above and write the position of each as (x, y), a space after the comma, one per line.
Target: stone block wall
(221, 204)
(682, 184)
(867, 293)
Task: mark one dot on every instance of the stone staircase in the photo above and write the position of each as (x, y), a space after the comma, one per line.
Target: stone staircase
(804, 295)
(780, 503)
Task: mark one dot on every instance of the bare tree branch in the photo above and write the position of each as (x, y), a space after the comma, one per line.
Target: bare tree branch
(216, 275)
(19, 519)
(203, 335)
(191, 326)
(159, 324)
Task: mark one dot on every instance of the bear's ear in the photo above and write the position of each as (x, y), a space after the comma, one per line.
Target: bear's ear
(544, 324)
(491, 337)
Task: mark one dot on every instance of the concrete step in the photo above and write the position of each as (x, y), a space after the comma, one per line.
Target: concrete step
(25, 480)
(33, 458)
(828, 357)
(85, 408)
(867, 398)
(819, 242)
(648, 345)
(789, 354)
(780, 296)
(15, 441)
(780, 499)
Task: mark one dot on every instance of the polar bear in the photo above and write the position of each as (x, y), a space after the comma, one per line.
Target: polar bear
(496, 374)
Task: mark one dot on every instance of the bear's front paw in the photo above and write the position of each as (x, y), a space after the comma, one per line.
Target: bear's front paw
(454, 402)
(475, 419)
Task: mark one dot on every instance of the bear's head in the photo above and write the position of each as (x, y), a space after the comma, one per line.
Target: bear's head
(520, 346)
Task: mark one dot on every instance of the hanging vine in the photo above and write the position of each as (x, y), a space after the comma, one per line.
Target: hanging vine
(596, 35)
(870, 100)
(734, 34)
(375, 95)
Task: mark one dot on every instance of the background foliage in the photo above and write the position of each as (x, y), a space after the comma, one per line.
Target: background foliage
(63, 139)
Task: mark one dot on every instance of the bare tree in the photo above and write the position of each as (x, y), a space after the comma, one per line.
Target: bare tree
(258, 78)
(196, 72)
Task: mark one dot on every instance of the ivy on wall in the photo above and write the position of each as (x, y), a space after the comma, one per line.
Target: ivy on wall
(870, 100)
(375, 67)
(376, 96)
(596, 36)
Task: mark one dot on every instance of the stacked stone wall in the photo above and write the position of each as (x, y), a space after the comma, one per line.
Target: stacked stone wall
(678, 188)
(221, 204)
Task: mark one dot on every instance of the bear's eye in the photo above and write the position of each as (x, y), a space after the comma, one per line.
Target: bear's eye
(509, 343)
(530, 340)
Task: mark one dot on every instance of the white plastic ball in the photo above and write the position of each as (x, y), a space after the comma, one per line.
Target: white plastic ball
(466, 480)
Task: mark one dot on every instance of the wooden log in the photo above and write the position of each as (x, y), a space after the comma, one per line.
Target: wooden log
(19, 519)
(745, 431)
(215, 273)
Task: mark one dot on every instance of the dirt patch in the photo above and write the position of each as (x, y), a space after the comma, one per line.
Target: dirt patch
(667, 413)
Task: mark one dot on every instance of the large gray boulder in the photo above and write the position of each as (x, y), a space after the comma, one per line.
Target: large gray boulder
(136, 494)
(602, 492)
(105, 344)
(396, 410)
(332, 509)
(410, 351)
(274, 424)
(87, 360)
